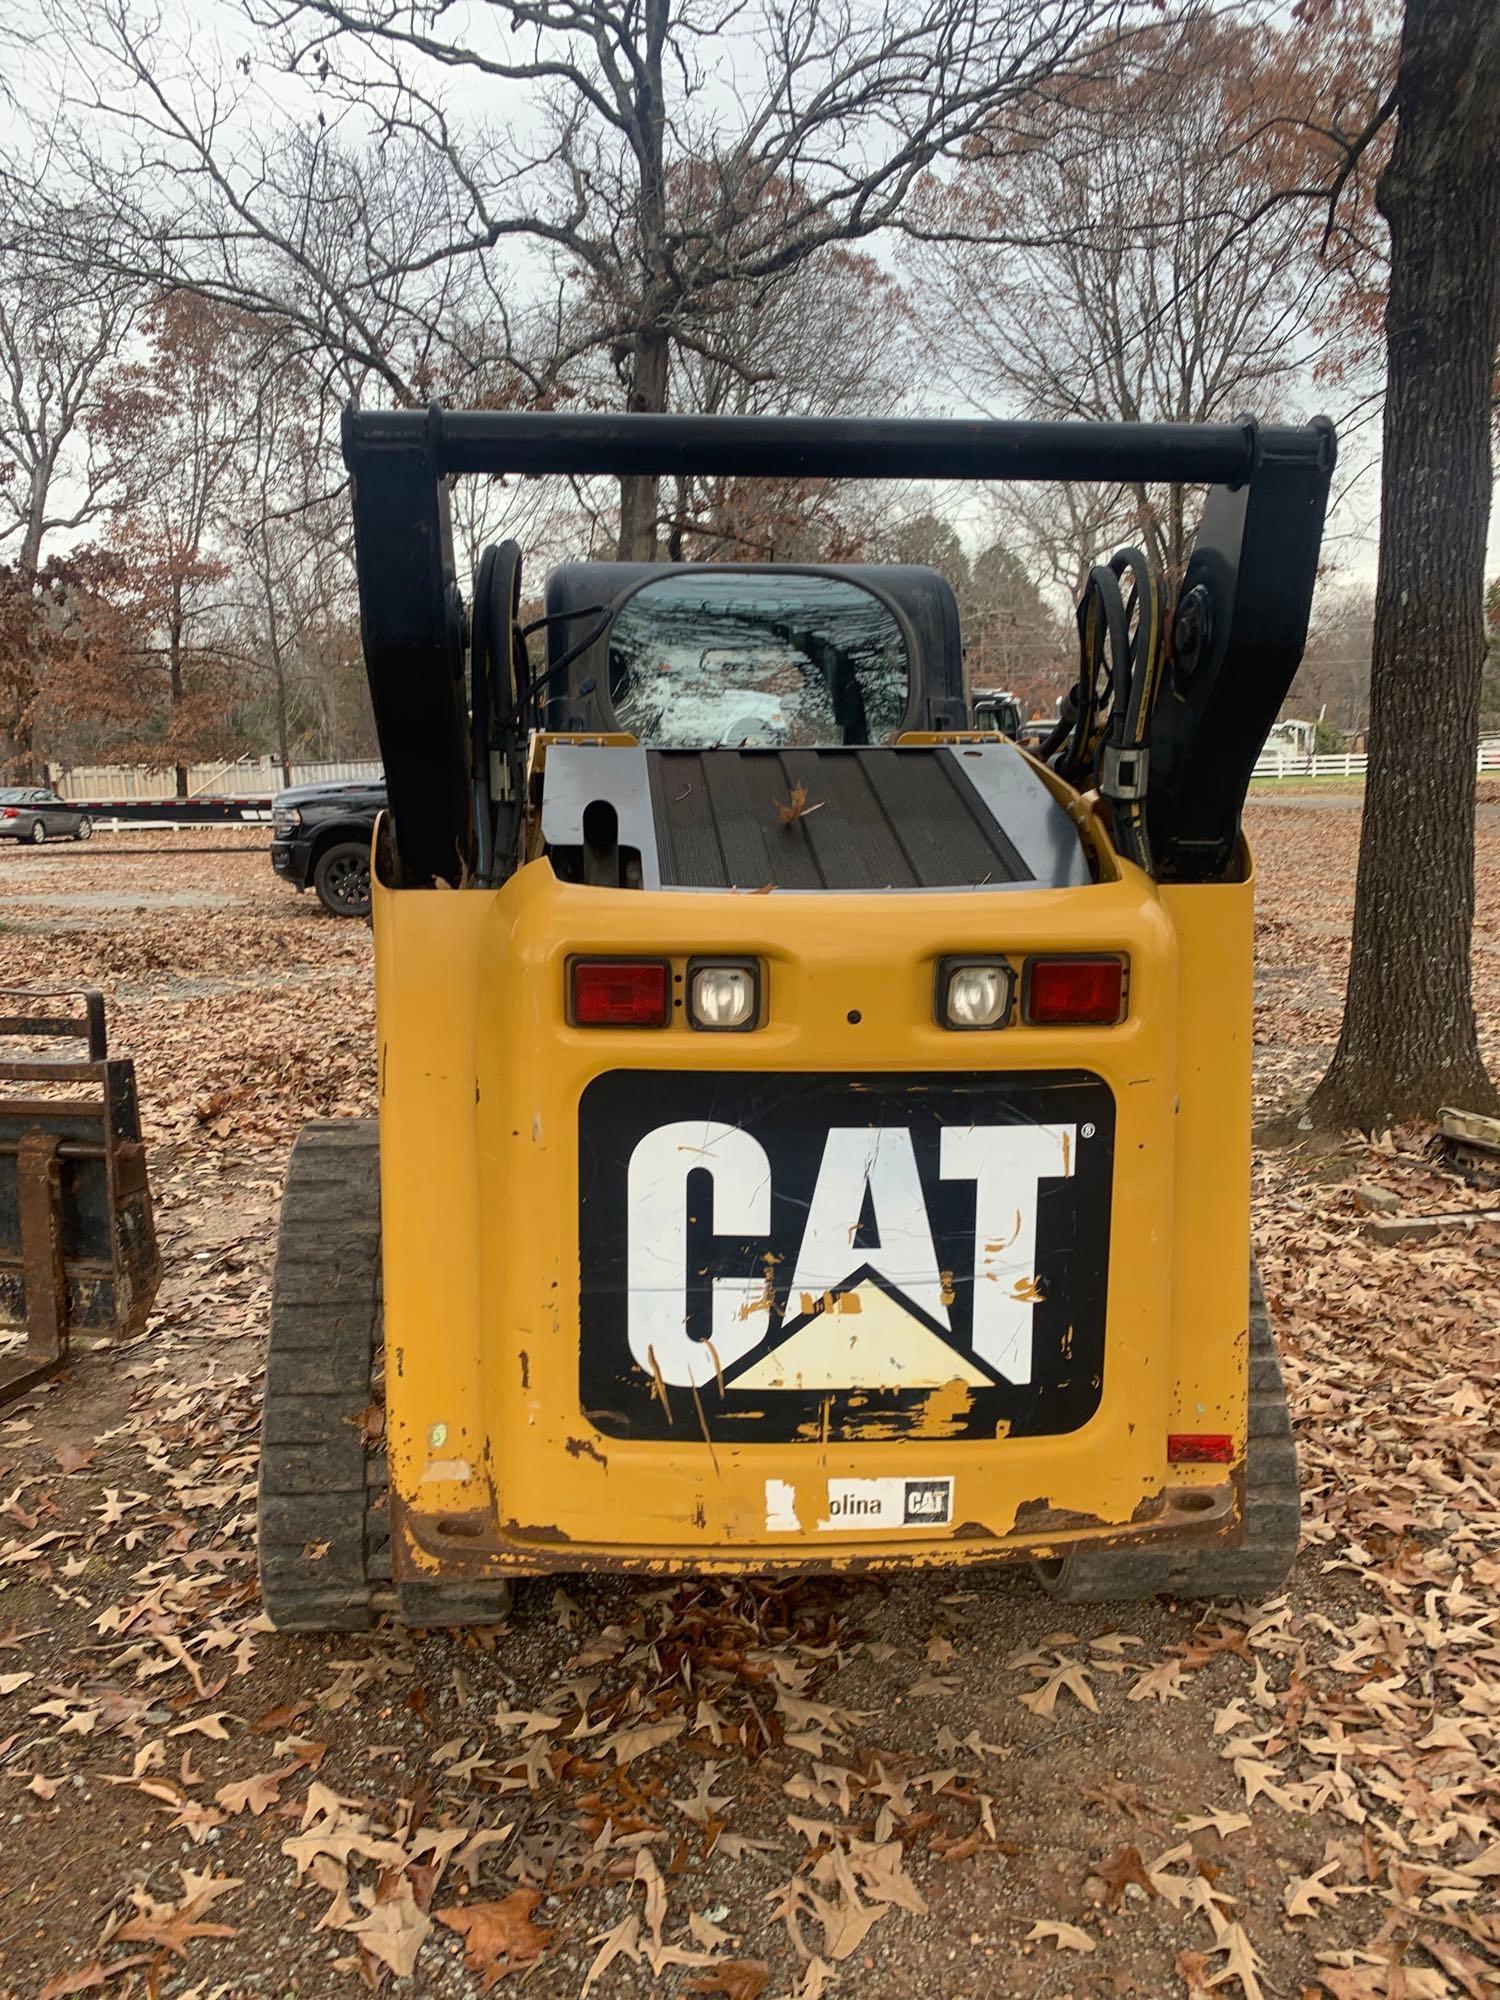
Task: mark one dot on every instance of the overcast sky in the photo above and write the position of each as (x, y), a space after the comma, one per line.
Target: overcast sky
(217, 32)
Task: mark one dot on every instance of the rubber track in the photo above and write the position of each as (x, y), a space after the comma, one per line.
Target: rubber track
(1261, 1563)
(323, 1535)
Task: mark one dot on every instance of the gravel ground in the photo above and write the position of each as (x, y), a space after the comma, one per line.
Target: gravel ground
(927, 1786)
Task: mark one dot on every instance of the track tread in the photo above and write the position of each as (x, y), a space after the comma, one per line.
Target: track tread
(323, 1534)
(1261, 1562)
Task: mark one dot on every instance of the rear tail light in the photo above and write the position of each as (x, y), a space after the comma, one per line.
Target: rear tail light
(1073, 991)
(1200, 1448)
(619, 992)
(11, 813)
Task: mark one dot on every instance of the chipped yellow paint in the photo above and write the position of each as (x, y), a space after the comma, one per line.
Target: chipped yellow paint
(713, 1355)
(480, 1080)
(764, 1301)
(993, 1248)
(943, 1412)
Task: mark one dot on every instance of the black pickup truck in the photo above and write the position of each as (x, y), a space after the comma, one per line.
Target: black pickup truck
(320, 839)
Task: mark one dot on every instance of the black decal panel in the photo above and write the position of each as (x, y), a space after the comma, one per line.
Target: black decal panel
(788, 1257)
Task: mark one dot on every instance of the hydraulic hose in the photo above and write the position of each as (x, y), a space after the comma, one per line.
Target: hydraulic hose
(480, 625)
(1101, 738)
(498, 683)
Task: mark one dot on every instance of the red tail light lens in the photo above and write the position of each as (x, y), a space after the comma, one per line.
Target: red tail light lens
(1073, 991)
(1200, 1448)
(11, 813)
(619, 993)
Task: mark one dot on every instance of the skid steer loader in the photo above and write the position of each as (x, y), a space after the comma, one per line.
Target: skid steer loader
(813, 1134)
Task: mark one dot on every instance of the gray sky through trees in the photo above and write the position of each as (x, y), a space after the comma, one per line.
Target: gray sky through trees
(224, 63)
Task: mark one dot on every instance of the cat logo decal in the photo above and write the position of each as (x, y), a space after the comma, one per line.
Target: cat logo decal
(828, 1252)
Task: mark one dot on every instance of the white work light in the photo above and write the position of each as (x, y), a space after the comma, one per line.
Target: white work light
(723, 995)
(974, 993)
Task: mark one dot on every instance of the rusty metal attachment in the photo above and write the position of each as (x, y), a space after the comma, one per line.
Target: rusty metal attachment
(78, 1248)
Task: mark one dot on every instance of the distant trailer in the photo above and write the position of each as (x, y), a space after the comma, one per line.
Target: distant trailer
(177, 812)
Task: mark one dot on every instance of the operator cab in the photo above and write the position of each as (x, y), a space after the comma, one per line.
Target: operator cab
(758, 690)
(752, 656)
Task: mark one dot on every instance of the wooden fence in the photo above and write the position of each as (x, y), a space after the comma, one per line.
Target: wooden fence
(249, 778)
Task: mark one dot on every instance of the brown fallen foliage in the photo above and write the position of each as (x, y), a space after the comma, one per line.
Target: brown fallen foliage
(732, 1788)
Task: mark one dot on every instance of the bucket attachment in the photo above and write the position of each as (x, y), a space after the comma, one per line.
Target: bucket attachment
(77, 1240)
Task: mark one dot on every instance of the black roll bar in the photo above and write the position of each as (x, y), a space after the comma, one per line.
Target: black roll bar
(1241, 619)
(493, 441)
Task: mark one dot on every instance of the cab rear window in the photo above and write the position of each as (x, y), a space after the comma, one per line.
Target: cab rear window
(782, 660)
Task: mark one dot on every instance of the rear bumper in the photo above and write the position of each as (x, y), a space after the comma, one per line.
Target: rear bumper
(471, 1546)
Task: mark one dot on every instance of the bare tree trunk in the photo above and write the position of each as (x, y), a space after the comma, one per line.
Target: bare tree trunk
(177, 690)
(1409, 1043)
(677, 526)
(640, 493)
(25, 767)
(278, 664)
(1177, 551)
(283, 741)
(650, 364)
(21, 765)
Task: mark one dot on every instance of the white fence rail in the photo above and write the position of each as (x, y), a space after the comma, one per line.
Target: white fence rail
(250, 778)
(1346, 763)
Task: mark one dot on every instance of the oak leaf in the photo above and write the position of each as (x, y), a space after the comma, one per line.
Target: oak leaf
(1067, 1937)
(628, 1744)
(710, 1935)
(649, 1876)
(254, 1795)
(1191, 1968)
(91, 1977)
(1124, 1868)
(173, 1931)
(735, 1978)
(1223, 1823)
(1303, 1898)
(818, 1976)
(498, 1937)
(1472, 1974)
(394, 1931)
(1069, 1674)
(797, 807)
(1240, 1962)
(1161, 1683)
(622, 1942)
